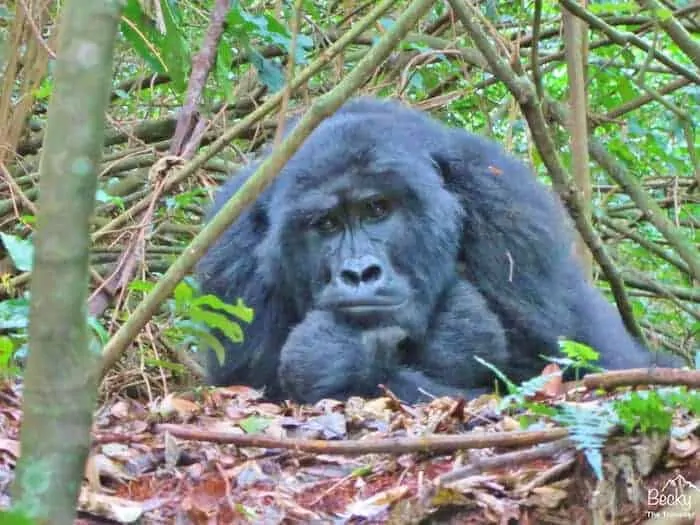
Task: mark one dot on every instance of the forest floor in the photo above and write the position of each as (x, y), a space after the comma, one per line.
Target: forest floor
(225, 455)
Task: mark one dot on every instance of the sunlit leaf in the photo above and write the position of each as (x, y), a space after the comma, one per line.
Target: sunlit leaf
(21, 251)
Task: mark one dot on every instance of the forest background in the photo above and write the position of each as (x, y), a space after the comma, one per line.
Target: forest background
(601, 98)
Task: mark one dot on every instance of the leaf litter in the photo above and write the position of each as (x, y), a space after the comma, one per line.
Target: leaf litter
(144, 469)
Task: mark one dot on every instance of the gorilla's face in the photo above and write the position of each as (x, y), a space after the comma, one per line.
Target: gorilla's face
(364, 230)
(350, 240)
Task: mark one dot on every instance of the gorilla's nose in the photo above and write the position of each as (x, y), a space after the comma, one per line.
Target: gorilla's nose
(360, 271)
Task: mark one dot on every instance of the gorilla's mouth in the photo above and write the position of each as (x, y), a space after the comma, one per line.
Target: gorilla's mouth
(364, 306)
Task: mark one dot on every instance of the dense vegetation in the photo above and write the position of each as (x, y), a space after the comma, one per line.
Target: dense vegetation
(607, 115)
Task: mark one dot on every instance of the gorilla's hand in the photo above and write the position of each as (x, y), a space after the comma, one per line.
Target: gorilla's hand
(326, 358)
(323, 358)
(382, 347)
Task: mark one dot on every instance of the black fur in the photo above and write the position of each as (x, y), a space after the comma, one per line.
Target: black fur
(476, 250)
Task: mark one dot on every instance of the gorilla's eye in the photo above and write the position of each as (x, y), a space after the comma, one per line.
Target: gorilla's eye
(327, 224)
(376, 209)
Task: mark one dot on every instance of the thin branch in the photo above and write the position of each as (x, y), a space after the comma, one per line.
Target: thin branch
(524, 93)
(535, 51)
(653, 212)
(644, 202)
(624, 39)
(675, 30)
(443, 443)
(189, 129)
(645, 99)
(574, 38)
(648, 245)
(644, 283)
(261, 111)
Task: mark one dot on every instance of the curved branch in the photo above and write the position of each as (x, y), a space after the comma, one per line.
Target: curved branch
(622, 38)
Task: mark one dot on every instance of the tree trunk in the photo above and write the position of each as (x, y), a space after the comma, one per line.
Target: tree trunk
(61, 375)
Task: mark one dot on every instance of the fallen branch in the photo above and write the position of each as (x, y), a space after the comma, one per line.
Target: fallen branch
(358, 447)
(643, 376)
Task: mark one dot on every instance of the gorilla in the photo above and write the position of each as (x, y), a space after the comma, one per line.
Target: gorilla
(390, 250)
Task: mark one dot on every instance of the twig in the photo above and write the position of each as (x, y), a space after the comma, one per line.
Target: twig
(623, 39)
(643, 242)
(675, 30)
(188, 131)
(434, 443)
(271, 104)
(643, 376)
(535, 51)
(517, 457)
(686, 250)
(643, 283)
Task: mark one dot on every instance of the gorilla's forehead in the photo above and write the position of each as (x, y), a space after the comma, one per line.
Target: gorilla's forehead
(350, 153)
(331, 181)
(352, 186)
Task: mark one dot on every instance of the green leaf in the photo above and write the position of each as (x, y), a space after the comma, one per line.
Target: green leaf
(140, 285)
(254, 424)
(15, 517)
(206, 340)
(589, 428)
(139, 31)
(270, 73)
(7, 350)
(165, 364)
(99, 330)
(239, 310)
(174, 45)
(14, 314)
(21, 251)
(578, 351)
(183, 294)
(230, 329)
(509, 384)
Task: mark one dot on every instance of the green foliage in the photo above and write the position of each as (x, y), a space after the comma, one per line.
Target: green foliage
(15, 517)
(578, 357)
(14, 336)
(245, 29)
(652, 410)
(192, 317)
(14, 321)
(166, 52)
(104, 197)
(645, 410)
(21, 251)
(589, 427)
(7, 355)
(613, 8)
(255, 424)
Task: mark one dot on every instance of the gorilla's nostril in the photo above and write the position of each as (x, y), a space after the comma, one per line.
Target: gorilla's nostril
(362, 270)
(372, 273)
(350, 277)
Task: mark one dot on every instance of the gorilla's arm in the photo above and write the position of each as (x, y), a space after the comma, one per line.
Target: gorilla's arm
(464, 327)
(230, 270)
(327, 359)
(604, 329)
